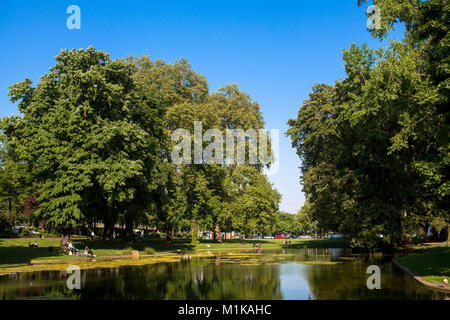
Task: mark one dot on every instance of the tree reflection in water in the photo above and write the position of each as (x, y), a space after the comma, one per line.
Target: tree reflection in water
(285, 274)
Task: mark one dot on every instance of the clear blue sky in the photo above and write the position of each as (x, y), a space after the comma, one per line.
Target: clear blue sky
(274, 50)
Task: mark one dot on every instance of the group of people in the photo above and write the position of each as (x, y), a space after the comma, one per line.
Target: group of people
(34, 245)
(74, 251)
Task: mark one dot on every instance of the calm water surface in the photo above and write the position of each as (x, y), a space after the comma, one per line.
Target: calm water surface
(276, 274)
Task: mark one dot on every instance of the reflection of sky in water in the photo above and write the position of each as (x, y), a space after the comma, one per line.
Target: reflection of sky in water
(229, 277)
(293, 285)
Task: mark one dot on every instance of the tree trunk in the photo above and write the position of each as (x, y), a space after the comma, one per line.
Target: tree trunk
(169, 234)
(169, 230)
(217, 232)
(65, 238)
(109, 223)
(129, 235)
(448, 234)
(106, 227)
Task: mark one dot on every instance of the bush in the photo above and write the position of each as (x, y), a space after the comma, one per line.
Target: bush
(127, 251)
(153, 235)
(180, 235)
(194, 239)
(29, 232)
(149, 250)
(5, 227)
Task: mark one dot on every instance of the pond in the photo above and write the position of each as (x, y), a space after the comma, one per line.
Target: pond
(299, 274)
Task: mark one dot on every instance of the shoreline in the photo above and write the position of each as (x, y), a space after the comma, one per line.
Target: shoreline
(42, 263)
(168, 256)
(419, 279)
(96, 263)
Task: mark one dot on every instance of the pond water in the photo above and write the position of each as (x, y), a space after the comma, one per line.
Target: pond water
(298, 274)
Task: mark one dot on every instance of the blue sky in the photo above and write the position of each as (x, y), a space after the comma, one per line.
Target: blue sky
(274, 50)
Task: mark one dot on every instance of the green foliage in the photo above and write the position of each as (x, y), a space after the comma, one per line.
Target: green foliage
(285, 223)
(438, 223)
(194, 236)
(29, 232)
(94, 144)
(86, 132)
(149, 250)
(304, 220)
(201, 193)
(4, 224)
(374, 146)
(254, 201)
(127, 251)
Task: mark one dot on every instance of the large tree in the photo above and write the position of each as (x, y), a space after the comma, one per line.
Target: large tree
(92, 135)
(204, 194)
(374, 146)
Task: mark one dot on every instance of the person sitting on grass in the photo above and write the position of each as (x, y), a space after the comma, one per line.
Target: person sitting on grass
(71, 248)
(34, 245)
(88, 252)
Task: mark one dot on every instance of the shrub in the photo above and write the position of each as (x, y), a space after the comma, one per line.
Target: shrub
(180, 235)
(194, 234)
(153, 235)
(127, 251)
(149, 250)
(5, 226)
(29, 232)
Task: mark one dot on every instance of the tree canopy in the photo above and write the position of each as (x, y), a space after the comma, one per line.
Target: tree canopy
(94, 144)
(374, 146)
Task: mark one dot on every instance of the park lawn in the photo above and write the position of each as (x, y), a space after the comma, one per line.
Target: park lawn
(432, 263)
(16, 250)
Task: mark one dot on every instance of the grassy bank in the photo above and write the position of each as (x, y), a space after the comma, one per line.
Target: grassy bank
(16, 251)
(431, 263)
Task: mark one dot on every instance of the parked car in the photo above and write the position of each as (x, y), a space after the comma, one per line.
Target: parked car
(269, 237)
(336, 236)
(279, 237)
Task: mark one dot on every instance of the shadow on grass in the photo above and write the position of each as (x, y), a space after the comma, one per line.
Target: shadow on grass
(17, 254)
(17, 250)
(157, 244)
(428, 262)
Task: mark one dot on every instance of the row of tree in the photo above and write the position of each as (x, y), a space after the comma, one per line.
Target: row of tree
(93, 143)
(374, 146)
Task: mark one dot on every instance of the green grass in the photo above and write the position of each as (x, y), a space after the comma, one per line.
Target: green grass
(432, 263)
(265, 243)
(16, 250)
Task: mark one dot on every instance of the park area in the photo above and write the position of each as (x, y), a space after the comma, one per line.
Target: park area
(234, 269)
(16, 251)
